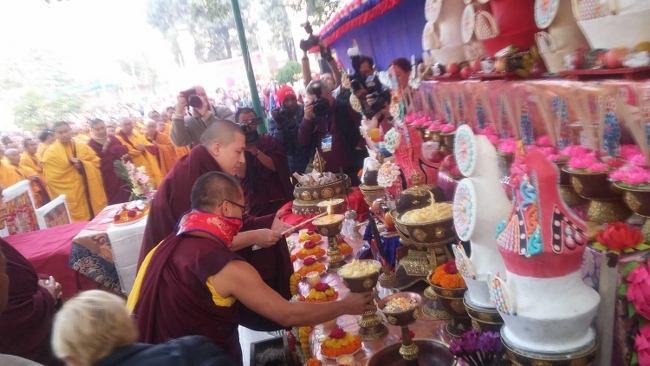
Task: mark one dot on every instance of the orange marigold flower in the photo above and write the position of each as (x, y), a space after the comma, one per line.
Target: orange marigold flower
(452, 281)
(314, 362)
(437, 277)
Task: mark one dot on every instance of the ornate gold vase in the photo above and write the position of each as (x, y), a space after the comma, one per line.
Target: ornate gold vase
(452, 302)
(606, 201)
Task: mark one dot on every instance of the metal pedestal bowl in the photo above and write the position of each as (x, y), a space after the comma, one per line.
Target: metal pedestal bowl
(606, 201)
(409, 350)
(331, 226)
(431, 353)
(452, 301)
(638, 200)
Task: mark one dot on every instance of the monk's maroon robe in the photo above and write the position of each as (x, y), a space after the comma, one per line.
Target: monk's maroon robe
(174, 300)
(117, 190)
(172, 200)
(26, 323)
(268, 190)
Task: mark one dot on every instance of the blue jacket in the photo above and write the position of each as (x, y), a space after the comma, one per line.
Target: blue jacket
(185, 351)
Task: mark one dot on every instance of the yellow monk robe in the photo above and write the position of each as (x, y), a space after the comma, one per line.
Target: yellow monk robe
(40, 197)
(166, 153)
(146, 158)
(41, 150)
(8, 175)
(180, 150)
(84, 191)
(81, 138)
(32, 162)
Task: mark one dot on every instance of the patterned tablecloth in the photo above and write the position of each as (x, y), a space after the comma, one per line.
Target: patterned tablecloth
(424, 328)
(108, 254)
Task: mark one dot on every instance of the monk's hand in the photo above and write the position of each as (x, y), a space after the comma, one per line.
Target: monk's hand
(139, 147)
(32, 177)
(76, 163)
(357, 304)
(279, 225)
(267, 238)
(53, 287)
(107, 143)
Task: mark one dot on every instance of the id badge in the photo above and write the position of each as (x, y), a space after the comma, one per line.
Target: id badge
(326, 143)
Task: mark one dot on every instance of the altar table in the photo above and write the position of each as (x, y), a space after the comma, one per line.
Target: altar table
(108, 254)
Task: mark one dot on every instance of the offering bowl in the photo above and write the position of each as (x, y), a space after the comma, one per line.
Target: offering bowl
(638, 200)
(452, 301)
(430, 353)
(336, 205)
(402, 318)
(606, 200)
(331, 226)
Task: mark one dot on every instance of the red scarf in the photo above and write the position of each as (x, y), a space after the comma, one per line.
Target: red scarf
(211, 226)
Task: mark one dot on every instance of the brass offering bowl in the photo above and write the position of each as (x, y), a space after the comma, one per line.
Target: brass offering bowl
(336, 205)
(426, 235)
(483, 319)
(409, 350)
(606, 200)
(371, 193)
(567, 192)
(638, 200)
(371, 325)
(330, 226)
(431, 352)
(452, 301)
(322, 192)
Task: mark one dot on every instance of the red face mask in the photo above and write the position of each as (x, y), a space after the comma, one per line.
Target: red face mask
(203, 223)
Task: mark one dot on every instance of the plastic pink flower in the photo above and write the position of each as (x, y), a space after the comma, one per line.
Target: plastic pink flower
(494, 139)
(598, 167)
(631, 175)
(487, 131)
(628, 151)
(554, 157)
(447, 128)
(435, 126)
(638, 291)
(583, 161)
(642, 345)
(543, 141)
(508, 146)
(410, 117)
(574, 150)
(638, 160)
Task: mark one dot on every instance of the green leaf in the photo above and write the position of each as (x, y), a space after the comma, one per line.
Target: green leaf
(622, 291)
(631, 311)
(642, 246)
(629, 268)
(600, 247)
(635, 359)
(629, 250)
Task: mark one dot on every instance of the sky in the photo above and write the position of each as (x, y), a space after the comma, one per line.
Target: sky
(89, 35)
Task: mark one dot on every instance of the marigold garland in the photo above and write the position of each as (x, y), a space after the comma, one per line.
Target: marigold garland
(303, 338)
(446, 280)
(316, 267)
(292, 257)
(317, 252)
(353, 344)
(314, 362)
(293, 283)
(345, 249)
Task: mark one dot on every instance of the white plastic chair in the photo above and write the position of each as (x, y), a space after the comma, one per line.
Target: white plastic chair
(21, 212)
(54, 213)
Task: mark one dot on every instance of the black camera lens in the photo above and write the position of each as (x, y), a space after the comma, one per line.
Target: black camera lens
(194, 101)
(321, 107)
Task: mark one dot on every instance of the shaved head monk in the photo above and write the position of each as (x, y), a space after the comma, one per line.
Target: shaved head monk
(193, 284)
(166, 151)
(72, 168)
(222, 150)
(39, 189)
(142, 152)
(109, 149)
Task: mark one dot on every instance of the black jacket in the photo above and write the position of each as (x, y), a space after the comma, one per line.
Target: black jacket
(185, 351)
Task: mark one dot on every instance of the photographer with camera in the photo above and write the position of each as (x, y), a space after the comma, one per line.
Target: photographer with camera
(284, 127)
(187, 128)
(333, 79)
(334, 127)
(267, 184)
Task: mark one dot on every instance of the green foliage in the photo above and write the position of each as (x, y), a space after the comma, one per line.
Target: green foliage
(34, 109)
(286, 72)
(275, 14)
(318, 11)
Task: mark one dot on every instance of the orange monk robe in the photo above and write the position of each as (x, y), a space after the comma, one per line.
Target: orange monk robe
(146, 158)
(41, 149)
(166, 153)
(8, 175)
(41, 197)
(32, 162)
(84, 190)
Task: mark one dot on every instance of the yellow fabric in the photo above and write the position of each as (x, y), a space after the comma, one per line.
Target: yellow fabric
(62, 178)
(82, 138)
(41, 150)
(32, 162)
(216, 298)
(168, 128)
(142, 158)
(166, 153)
(8, 175)
(137, 285)
(180, 150)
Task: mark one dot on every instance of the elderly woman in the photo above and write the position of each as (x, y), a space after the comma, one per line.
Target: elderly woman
(95, 328)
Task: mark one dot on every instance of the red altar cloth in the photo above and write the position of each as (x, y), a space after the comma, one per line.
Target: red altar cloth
(355, 200)
(48, 251)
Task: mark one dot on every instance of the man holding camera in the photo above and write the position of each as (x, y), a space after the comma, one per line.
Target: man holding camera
(284, 127)
(267, 184)
(187, 129)
(334, 127)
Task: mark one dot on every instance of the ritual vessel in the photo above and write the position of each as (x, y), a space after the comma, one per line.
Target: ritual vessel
(318, 186)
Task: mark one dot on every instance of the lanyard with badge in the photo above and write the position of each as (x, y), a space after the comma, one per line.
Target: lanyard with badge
(326, 141)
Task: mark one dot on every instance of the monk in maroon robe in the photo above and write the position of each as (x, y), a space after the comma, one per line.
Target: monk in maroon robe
(26, 322)
(222, 150)
(267, 185)
(109, 149)
(193, 284)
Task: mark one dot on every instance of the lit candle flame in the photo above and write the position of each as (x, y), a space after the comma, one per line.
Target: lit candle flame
(329, 211)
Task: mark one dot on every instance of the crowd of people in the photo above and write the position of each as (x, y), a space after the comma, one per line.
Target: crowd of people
(213, 255)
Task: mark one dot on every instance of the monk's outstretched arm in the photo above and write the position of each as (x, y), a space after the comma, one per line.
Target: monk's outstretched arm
(241, 280)
(262, 237)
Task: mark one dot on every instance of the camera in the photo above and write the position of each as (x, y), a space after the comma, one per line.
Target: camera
(321, 105)
(376, 90)
(193, 100)
(311, 41)
(250, 130)
(283, 115)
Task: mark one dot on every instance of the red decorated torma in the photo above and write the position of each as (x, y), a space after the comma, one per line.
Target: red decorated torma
(542, 237)
(515, 22)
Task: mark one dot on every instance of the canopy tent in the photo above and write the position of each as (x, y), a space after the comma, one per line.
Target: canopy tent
(383, 29)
